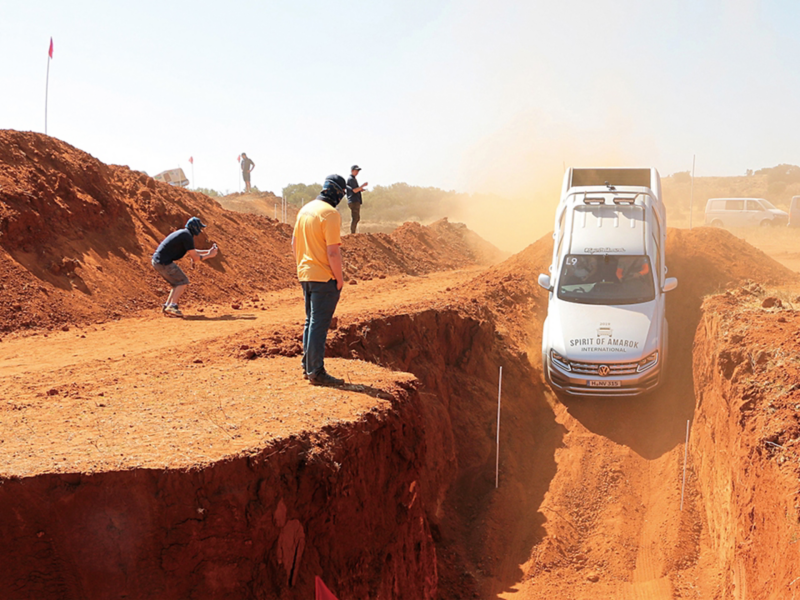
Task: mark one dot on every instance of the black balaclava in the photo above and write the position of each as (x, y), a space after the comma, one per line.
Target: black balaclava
(333, 190)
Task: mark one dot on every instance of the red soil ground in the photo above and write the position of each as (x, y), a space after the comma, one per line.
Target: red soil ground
(151, 457)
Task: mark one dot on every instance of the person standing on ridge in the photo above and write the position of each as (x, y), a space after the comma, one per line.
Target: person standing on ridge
(315, 243)
(247, 167)
(354, 197)
(174, 247)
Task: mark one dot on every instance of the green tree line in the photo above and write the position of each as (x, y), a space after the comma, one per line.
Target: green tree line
(392, 203)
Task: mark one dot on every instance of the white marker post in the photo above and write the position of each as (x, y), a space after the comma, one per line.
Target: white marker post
(685, 452)
(497, 460)
(47, 83)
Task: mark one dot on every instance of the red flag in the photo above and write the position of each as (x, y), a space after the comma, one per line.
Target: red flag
(51, 48)
(323, 593)
(191, 159)
(239, 158)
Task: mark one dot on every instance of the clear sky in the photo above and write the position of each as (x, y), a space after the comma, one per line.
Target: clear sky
(471, 95)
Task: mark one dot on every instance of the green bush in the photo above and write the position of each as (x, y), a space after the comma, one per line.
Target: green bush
(297, 194)
(208, 192)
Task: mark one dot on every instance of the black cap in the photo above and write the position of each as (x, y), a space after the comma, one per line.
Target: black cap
(355, 168)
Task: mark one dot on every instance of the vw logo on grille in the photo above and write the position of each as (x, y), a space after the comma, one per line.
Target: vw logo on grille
(603, 370)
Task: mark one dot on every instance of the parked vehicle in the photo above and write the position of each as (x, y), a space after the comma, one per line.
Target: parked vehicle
(744, 212)
(794, 212)
(606, 332)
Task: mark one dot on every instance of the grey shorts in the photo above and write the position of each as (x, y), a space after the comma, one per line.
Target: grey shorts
(172, 273)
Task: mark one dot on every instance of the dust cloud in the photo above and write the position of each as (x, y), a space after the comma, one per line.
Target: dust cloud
(517, 172)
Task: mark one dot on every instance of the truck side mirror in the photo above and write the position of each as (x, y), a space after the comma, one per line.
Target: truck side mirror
(544, 281)
(670, 284)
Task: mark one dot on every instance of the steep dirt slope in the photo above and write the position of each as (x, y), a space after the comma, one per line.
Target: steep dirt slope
(745, 444)
(76, 237)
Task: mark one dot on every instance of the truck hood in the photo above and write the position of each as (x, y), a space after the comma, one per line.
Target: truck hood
(591, 332)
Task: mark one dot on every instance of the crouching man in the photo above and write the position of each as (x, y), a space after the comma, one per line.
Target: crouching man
(174, 247)
(315, 242)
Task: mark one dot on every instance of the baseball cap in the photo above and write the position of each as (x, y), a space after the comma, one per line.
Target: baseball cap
(355, 168)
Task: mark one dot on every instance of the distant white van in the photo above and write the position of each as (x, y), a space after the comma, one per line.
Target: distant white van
(744, 212)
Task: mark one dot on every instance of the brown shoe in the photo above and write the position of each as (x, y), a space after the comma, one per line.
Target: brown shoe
(324, 378)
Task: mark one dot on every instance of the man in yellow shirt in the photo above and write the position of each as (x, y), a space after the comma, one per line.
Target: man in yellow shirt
(315, 242)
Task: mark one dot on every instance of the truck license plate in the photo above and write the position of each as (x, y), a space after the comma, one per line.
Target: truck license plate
(604, 383)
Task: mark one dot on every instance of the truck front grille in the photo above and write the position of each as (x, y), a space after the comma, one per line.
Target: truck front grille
(616, 369)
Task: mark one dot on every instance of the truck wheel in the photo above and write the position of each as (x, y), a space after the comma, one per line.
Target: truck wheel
(766, 223)
(716, 223)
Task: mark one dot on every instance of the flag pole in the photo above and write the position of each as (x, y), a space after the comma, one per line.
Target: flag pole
(47, 84)
(691, 199)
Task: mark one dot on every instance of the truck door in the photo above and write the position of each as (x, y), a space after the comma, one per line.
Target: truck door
(753, 214)
(734, 213)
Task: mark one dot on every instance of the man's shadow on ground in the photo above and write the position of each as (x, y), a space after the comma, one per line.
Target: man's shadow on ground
(363, 389)
(244, 317)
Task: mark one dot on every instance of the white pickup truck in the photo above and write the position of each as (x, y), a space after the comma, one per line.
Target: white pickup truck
(606, 332)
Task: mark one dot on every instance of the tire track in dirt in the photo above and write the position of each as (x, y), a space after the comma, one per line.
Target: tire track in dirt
(648, 581)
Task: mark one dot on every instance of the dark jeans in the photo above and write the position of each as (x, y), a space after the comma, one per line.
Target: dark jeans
(355, 215)
(321, 299)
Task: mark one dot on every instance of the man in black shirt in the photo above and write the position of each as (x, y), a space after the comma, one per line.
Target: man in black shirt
(354, 197)
(247, 166)
(175, 246)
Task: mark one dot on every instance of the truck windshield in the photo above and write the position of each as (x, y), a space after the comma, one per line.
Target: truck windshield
(606, 279)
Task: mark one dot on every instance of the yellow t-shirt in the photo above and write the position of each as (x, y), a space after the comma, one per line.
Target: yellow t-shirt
(316, 228)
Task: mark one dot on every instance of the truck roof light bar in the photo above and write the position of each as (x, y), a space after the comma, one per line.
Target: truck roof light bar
(594, 200)
(630, 201)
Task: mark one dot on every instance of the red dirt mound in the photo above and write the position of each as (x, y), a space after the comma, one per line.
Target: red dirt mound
(416, 249)
(76, 237)
(264, 204)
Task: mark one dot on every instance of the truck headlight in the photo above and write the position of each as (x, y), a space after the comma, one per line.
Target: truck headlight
(648, 362)
(560, 360)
